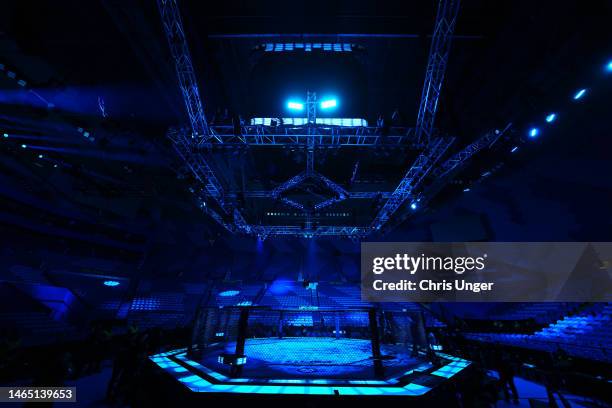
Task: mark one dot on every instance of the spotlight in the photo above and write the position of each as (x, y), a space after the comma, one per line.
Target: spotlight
(229, 293)
(5, 135)
(413, 206)
(551, 117)
(579, 94)
(534, 132)
(111, 283)
(465, 190)
(329, 103)
(40, 156)
(609, 66)
(23, 146)
(295, 105)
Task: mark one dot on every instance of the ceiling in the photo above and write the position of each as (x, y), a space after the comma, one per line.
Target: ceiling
(121, 195)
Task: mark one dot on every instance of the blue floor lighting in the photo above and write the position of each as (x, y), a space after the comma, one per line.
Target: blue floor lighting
(201, 378)
(534, 132)
(551, 117)
(111, 283)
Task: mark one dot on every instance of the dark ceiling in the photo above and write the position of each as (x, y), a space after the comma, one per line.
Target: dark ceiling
(118, 197)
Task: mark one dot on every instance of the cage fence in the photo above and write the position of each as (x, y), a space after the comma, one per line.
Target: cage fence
(268, 343)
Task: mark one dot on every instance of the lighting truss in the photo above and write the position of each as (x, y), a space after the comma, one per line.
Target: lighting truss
(175, 34)
(198, 166)
(240, 222)
(347, 231)
(212, 188)
(287, 185)
(298, 179)
(307, 47)
(368, 195)
(200, 195)
(326, 203)
(436, 67)
(292, 203)
(342, 193)
(189, 148)
(297, 121)
(423, 164)
(194, 146)
(459, 158)
(322, 134)
(445, 171)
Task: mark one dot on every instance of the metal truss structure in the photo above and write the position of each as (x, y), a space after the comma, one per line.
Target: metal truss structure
(319, 231)
(324, 135)
(289, 184)
(175, 34)
(445, 172)
(194, 145)
(446, 18)
(187, 145)
(198, 166)
(421, 167)
(367, 195)
(461, 157)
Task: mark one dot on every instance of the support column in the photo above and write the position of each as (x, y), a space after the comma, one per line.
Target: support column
(243, 323)
(311, 108)
(376, 355)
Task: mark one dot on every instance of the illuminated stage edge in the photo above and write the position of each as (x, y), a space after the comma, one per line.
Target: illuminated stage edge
(199, 378)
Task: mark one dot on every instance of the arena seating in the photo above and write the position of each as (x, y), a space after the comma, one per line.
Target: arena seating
(340, 296)
(158, 309)
(289, 295)
(247, 295)
(37, 327)
(587, 335)
(540, 312)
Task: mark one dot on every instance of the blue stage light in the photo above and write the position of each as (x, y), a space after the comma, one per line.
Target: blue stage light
(229, 293)
(551, 117)
(23, 146)
(534, 132)
(465, 190)
(295, 105)
(329, 103)
(579, 94)
(5, 135)
(111, 283)
(413, 206)
(514, 149)
(609, 66)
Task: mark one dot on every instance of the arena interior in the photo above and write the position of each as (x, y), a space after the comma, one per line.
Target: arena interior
(186, 186)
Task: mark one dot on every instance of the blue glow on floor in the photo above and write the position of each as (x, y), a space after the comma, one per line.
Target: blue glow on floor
(199, 384)
(451, 369)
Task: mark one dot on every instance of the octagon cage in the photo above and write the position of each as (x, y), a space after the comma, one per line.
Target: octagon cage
(264, 343)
